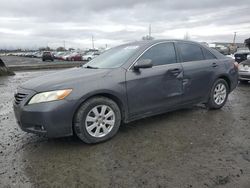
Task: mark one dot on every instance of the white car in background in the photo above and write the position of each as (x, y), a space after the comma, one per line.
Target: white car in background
(231, 56)
(89, 56)
(66, 55)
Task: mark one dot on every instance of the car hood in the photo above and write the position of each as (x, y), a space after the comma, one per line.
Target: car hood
(240, 53)
(69, 78)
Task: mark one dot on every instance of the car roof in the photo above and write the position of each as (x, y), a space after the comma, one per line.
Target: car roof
(152, 42)
(161, 40)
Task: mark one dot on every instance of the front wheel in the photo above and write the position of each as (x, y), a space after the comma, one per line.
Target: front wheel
(218, 94)
(97, 120)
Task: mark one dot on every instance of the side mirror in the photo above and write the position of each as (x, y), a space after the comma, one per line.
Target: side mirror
(143, 64)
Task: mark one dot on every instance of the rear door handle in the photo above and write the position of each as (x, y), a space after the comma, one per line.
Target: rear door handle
(214, 65)
(175, 71)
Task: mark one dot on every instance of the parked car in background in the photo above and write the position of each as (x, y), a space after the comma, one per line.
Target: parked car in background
(59, 55)
(37, 54)
(126, 83)
(47, 56)
(244, 70)
(230, 56)
(65, 55)
(241, 54)
(222, 49)
(90, 55)
(74, 56)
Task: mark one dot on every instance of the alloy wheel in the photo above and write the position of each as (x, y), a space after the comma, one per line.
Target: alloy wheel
(220, 93)
(99, 121)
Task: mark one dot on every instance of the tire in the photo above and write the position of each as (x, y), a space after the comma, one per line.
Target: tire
(96, 132)
(244, 81)
(89, 59)
(223, 95)
(43, 59)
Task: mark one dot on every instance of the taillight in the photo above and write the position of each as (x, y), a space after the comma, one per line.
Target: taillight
(236, 65)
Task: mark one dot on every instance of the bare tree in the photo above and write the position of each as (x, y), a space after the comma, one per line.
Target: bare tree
(60, 49)
(247, 43)
(147, 37)
(186, 36)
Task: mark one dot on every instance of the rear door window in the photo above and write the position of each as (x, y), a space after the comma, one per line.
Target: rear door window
(190, 52)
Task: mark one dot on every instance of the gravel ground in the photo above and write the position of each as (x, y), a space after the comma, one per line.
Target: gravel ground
(182, 149)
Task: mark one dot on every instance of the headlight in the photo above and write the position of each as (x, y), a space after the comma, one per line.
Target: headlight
(50, 96)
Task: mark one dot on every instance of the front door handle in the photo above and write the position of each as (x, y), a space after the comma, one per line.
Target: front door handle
(214, 65)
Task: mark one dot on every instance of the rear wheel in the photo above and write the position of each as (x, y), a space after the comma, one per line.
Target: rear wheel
(218, 94)
(89, 59)
(97, 120)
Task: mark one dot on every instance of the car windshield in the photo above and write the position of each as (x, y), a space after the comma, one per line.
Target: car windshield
(113, 58)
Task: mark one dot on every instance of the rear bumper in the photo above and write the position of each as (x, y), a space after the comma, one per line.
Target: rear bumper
(48, 58)
(53, 119)
(244, 75)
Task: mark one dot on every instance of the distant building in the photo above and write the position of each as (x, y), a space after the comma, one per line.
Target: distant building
(238, 45)
(226, 48)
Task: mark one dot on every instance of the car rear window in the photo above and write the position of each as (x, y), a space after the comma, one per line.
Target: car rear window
(190, 52)
(46, 53)
(208, 54)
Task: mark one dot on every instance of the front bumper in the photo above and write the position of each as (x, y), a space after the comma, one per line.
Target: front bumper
(53, 119)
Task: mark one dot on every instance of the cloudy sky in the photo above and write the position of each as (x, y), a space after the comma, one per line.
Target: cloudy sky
(36, 23)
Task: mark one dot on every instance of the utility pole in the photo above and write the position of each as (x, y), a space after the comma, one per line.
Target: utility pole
(93, 45)
(64, 44)
(234, 38)
(149, 31)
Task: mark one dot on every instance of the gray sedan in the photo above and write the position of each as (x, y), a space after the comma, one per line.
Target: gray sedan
(244, 71)
(126, 83)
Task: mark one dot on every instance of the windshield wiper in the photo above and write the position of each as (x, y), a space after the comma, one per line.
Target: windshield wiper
(90, 67)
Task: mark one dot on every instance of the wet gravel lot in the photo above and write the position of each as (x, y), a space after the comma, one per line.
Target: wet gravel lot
(186, 148)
